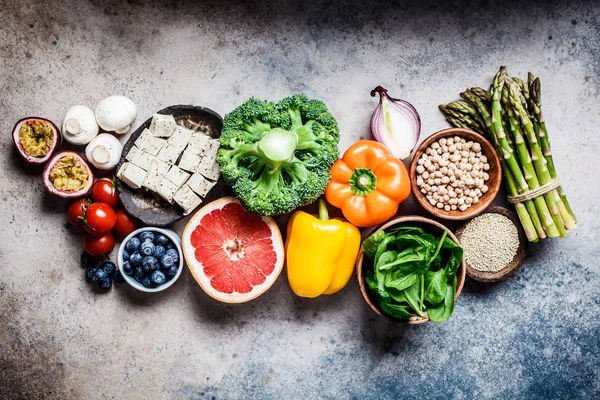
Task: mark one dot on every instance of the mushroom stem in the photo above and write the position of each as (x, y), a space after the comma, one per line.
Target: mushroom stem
(73, 126)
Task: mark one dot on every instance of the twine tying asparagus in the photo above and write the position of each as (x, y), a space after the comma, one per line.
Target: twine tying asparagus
(532, 194)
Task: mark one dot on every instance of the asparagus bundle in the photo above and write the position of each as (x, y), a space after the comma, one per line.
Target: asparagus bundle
(510, 115)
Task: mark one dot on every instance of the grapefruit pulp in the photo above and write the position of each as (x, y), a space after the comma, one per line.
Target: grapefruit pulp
(235, 256)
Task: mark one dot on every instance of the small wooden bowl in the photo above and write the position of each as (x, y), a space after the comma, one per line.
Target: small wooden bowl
(511, 267)
(429, 225)
(493, 183)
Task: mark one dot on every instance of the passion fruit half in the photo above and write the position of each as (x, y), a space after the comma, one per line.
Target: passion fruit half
(68, 175)
(36, 139)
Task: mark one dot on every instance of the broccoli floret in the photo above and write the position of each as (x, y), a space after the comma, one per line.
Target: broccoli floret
(276, 156)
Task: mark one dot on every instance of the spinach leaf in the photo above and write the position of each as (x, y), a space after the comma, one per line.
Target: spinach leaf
(376, 289)
(372, 242)
(435, 286)
(395, 311)
(454, 254)
(401, 230)
(409, 240)
(400, 280)
(397, 295)
(385, 258)
(412, 294)
(382, 247)
(413, 259)
(443, 311)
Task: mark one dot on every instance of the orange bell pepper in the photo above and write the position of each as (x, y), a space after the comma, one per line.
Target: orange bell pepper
(368, 184)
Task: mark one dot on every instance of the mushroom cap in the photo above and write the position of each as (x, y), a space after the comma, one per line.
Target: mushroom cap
(115, 113)
(104, 151)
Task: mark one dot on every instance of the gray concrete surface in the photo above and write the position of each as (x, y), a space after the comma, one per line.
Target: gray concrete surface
(533, 336)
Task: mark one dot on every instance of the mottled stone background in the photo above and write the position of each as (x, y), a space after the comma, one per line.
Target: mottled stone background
(534, 336)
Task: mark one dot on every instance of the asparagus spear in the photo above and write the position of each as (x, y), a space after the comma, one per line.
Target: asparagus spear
(464, 111)
(527, 213)
(535, 107)
(520, 182)
(539, 161)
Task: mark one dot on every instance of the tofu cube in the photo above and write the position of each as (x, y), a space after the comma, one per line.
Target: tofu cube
(177, 176)
(142, 159)
(187, 199)
(189, 161)
(208, 168)
(132, 175)
(210, 152)
(132, 153)
(144, 137)
(200, 185)
(167, 189)
(162, 126)
(169, 154)
(180, 138)
(198, 143)
(153, 145)
(156, 173)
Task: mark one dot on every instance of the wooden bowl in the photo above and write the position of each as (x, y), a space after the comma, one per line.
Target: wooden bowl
(493, 183)
(427, 224)
(511, 267)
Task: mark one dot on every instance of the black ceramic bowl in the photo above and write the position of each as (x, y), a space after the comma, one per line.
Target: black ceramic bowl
(147, 206)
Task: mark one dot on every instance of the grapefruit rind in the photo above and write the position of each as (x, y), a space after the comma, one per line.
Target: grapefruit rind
(197, 269)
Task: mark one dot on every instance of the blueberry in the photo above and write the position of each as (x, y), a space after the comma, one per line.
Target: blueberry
(125, 255)
(160, 239)
(118, 278)
(174, 254)
(132, 244)
(104, 283)
(139, 272)
(87, 260)
(150, 263)
(89, 272)
(136, 259)
(158, 278)
(99, 275)
(127, 268)
(137, 278)
(147, 235)
(171, 272)
(147, 248)
(159, 251)
(147, 282)
(167, 261)
(109, 267)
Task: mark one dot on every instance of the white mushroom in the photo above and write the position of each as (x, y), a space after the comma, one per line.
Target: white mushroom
(79, 126)
(104, 151)
(115, 114)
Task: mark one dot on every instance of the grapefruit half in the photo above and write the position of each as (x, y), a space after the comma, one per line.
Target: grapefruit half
(235, 256)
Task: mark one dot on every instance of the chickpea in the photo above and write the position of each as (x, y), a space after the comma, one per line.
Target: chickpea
(449, 141)
(430, 181)
(453, 208)
(447, 208)
(484, 189)
(427, 163)
(423, 191)
(432, 202)
(452, 148)
(420, 182)
(426, 175)
(431, 168)
(439, 150)
(476, 147)
(470, 182)
(435, 145)
(442, 141)
(463, 207)
(445, 179)
(437, 174)
(468, 200)
(420, 169)
(421, 161)
(437, 181)
(446, 198)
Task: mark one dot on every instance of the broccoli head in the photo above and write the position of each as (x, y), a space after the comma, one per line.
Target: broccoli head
(276, 156)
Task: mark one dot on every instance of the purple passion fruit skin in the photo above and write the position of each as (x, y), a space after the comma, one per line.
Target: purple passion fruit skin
(36, 139)
(67, 175)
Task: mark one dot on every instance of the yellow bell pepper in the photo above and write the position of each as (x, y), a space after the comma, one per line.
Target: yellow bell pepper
(320, 252)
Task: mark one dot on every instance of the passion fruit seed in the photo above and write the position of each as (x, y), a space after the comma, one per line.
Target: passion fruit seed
(68, 175)
(36, 138)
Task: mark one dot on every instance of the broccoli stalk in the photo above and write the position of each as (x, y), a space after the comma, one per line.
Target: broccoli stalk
(276, 157)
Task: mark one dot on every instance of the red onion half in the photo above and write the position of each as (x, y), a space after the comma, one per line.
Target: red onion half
(395, 123)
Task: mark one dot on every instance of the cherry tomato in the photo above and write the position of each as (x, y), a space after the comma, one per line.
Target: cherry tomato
(125, 223)
(100, 218)
(98, 245)
(76, 212)
(105, 191)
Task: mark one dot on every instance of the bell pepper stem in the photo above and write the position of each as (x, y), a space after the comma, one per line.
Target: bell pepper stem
(323, 213)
